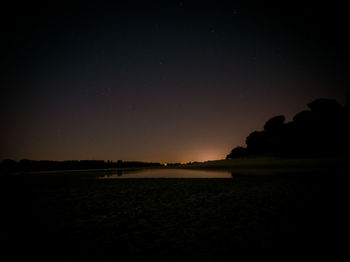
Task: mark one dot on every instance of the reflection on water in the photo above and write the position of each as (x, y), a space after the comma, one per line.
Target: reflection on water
(166, 173)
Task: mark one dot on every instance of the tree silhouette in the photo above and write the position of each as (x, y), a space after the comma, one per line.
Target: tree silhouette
(256, 142)
(8, 166)
(274, 124)
(238, 151)
(325, 106)
(322, 130)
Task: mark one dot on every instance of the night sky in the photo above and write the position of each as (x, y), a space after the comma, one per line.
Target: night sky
(164, 82)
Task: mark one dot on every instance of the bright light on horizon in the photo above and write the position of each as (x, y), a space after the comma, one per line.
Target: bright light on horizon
(205, 155)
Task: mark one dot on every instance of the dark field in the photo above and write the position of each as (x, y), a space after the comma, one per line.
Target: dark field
(77, 217)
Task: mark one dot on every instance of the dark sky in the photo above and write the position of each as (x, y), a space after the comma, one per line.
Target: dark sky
(161, 82)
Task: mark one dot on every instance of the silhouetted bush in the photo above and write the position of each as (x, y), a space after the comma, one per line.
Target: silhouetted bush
(303, 117)
(256, 142)
(274, 124)
(237, 152)
(325, 106)
(321, 131)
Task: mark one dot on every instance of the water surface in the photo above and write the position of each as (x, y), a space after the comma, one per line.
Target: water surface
(166, 173)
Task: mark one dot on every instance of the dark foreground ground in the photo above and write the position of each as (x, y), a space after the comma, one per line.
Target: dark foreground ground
(67, 217)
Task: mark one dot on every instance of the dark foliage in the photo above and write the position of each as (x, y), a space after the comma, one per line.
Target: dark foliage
(25, 165)
(256, 141)
(8, 165)
(275, 124)
(321, 131)
(237, 152)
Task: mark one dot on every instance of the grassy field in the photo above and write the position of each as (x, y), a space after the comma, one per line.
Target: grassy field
(78, 217)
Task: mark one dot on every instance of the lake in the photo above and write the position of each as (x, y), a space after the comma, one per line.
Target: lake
(166, 173)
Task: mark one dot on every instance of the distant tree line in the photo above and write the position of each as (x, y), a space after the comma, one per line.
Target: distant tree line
(25, 165)
(323, 130)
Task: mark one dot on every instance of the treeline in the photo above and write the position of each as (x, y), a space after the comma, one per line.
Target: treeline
(25, 165)
(323, 130)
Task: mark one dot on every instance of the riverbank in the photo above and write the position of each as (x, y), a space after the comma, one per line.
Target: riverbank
(275, 165)
(79, 217)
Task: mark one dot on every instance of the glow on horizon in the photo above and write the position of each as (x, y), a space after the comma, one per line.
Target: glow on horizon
(155, 83)
(204, 155)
